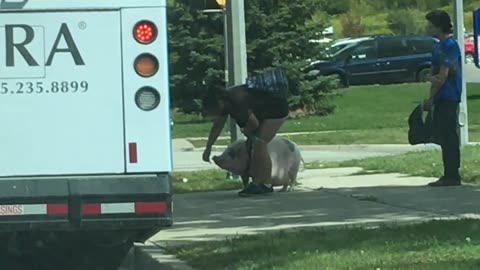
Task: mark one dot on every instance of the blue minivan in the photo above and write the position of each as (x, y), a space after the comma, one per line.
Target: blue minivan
(378, 60)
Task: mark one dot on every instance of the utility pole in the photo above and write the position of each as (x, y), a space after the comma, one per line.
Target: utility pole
(459, 36)
(223, 5)
(237, 55)
(237, 52)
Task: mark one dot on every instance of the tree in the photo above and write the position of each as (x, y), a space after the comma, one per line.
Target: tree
(407, 21)
(352, 25)
(336, 7)
(402, 22)
(277, 36)
(196, 53)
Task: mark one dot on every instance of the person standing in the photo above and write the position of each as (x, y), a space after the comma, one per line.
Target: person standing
(445, 95)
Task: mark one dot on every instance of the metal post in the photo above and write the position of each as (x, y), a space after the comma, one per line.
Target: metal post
(225, 41)
(237, 52)
(229, 175)
(237, 55)
(228, 83)
(459, 36)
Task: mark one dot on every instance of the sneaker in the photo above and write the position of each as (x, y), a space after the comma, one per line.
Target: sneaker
(255, 189)
(445, 182)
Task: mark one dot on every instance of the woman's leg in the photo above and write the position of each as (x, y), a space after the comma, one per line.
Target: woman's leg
(261, 161)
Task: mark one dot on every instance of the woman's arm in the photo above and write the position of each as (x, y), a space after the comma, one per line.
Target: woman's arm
(216, 129)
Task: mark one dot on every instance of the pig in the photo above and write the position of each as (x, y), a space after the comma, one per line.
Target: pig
(285, 155)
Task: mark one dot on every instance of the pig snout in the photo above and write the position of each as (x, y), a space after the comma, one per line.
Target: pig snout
(234, 158)
(220, 161)
(228, 164)
(217, 160)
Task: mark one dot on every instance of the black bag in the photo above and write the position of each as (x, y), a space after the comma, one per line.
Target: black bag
(274, 82)
(420, 131)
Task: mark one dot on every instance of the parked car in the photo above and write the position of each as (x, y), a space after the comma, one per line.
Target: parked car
(469, 50)
(340, 44)
(380, 59)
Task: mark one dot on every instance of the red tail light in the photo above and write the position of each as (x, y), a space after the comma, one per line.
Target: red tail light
(150, 208)
(94, 209)
(145, 32)
(57, 209)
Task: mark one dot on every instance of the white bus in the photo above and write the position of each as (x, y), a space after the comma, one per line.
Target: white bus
(85, 141)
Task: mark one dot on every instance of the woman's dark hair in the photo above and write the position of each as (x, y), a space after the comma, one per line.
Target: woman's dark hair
(441, 20)
(210, 101)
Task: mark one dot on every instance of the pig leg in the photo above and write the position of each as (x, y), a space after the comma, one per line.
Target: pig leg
(294, 169)
(282, 181)
(245, 180)
(293, 179)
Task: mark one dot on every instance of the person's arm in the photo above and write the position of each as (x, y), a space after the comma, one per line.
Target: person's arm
(434, 88)
(431, 78)
(215, 131)
(449, 60)
(438, 80)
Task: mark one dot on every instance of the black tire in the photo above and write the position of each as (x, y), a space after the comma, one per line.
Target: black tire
(423, 74)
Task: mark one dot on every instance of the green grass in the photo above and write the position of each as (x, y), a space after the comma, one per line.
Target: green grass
(436, 245)
(344, 137)
(364, 114)
(349, 137)
(189, 126)
(427, 164)
(203, 181)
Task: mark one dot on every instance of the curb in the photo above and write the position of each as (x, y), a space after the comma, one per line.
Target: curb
(429, 217)
(151, 257)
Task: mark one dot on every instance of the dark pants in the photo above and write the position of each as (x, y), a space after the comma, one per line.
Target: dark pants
(445, 124)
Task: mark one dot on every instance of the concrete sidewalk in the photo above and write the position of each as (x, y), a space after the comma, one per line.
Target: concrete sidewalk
(325, 198)
(183, 145)
(192, 160)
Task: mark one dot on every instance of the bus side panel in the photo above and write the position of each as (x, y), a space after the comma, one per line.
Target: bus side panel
(77, 4)
(147, 133)
(61, 93)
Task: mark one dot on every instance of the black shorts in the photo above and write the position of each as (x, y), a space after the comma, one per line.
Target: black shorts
(261, 103)
(270, 108)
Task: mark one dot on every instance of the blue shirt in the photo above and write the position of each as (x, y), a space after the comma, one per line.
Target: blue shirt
(447, 53)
